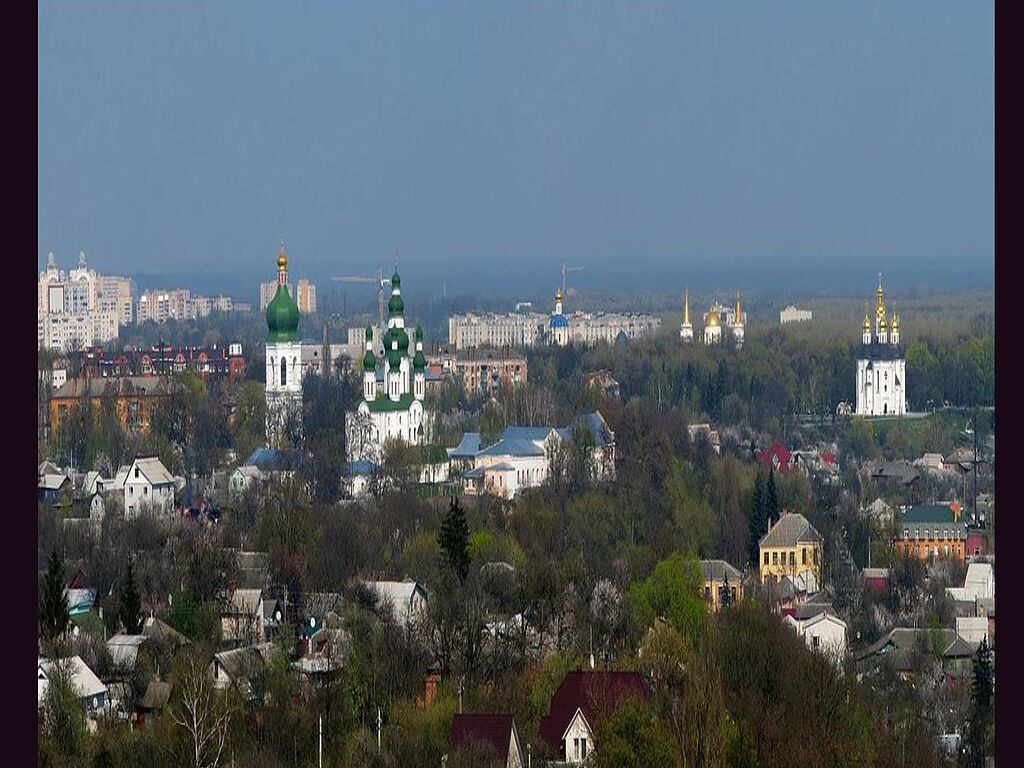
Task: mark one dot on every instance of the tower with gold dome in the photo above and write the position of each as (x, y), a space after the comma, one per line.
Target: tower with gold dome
(559, 324)
(713, 326)
(881, 365)
(283, 359)
(686, 329)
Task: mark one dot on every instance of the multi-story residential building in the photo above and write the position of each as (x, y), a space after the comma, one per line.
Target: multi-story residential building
(305, 296)
(932, 530)
(160, 360)
(793, 315)
(792, 547)
(496, 330)
(589, 329)
(64, 331)
(162, 305)
(134, 397)
(481, 371)
(79, 308)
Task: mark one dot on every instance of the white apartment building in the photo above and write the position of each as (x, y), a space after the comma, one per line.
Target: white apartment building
(496, 330)
(793, 315)
(78, 307)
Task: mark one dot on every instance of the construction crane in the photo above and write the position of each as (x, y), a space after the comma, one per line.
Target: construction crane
(381, 281)
(566, 269)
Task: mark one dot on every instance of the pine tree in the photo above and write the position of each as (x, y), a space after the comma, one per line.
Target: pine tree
(981, 705)
(453, 538)
(758, 522)
(53, 602)
(131, 604)
(771, 502)
(726, 600)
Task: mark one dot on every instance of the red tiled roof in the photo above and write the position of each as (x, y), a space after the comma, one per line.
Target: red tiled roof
(595, 693)
(778, 450)
(829, 458)
(495, 730)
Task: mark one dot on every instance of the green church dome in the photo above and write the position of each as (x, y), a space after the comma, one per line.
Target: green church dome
(282, 317)
(394, 359)
(403, 340)
(419, 362)
(369, 362)
(396, 306)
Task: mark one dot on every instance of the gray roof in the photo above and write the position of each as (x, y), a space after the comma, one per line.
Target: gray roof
(241, 664)
(156, 629)
(53, 482)
(154, 470)
(791, 530)
(157, 695)
(515, 446)
(804, 611)
(715, 570)
(124, 649)
(83, 679)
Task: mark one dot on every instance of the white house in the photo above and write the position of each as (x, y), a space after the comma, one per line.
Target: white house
(242, 478)
(148, 485)
(824, 632)
(90, 691)
(979, 584)
(241, 618)
(973, 629)
(408, 598)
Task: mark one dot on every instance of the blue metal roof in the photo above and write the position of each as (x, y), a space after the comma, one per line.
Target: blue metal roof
(526, 433)
(468, 447)
(513, 447)
(361, 468)
(559, 321)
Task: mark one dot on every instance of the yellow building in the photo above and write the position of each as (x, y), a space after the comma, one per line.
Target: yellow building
(718, 576)
(790, 548)
(932, 530)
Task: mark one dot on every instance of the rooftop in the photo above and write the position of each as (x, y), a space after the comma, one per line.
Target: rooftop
(791, 529)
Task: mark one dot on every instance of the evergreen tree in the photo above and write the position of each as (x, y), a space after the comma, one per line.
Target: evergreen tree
(53, 602)
(726, 600)
(771, 502)
(758, 520)
(981, 705)
(131, 604)
(453, 539)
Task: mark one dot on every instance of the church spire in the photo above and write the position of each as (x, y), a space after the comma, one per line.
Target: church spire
(739, 312)
(686, 307)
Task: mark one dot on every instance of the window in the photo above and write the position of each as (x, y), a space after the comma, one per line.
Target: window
(284, 371)
(131, 490)
(136, 472)
(792, 557)
(775, 558)
(804, 551)
(766, 558)
(583, 749)
(145, 491)
(576, 747)
(816, 640)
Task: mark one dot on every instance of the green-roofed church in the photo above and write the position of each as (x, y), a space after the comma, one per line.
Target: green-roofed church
(397, 411)
(284, 358)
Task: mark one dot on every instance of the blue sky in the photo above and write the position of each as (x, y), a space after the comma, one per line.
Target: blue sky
(717, 145)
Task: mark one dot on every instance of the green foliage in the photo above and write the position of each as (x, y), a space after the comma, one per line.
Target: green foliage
(758, 517)
(860, 436)
(53, 603)
(632, 738)
(63, 737)
(130, 602)
(672, 591)
(773, 509)
(249, 430)
(453, 539)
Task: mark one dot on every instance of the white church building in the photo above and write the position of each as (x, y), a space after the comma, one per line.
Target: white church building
(283, 356)
(881, 366)
(398, 411)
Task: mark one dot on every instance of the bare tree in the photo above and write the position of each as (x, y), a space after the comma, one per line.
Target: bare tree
(204, 714)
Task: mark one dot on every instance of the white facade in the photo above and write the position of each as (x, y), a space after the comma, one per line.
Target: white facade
(793, 315)
(824, 633)
(284, 386)
(79, 308)
(881, 367)
(399, 413)
(579, 739)
(514, 330)
(148, 486)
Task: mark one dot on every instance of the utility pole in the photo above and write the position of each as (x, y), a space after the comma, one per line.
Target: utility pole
(378, 729)
(320, 750)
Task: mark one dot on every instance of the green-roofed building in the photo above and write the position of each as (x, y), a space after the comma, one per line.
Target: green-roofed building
(932, 530)
(397, 410)
(283, 358)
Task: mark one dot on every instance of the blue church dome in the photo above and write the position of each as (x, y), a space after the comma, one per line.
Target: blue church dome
(559, 321)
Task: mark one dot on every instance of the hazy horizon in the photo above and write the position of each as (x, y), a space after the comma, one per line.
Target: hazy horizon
(786, 150)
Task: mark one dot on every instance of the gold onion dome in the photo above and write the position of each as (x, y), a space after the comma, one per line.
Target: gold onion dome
(282, 259)
(558, 295)
(867, 324)
(713, 317)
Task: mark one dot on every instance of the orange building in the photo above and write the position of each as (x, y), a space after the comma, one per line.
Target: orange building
(932, 530)
(135, 398)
